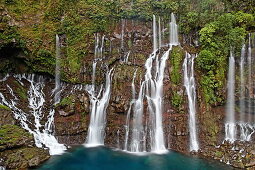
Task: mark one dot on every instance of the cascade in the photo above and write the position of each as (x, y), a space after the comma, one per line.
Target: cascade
(159, 34)
(249, 80)
(242, 85)
(57, 89)
(42, 133)
(122, 33)
(247, 128)
(173, 31)
(230, 127)
(155, 43)
(138, 129)
(189, 83)
(129, 111)
(154, 95)
(99, 104)
(151, 89)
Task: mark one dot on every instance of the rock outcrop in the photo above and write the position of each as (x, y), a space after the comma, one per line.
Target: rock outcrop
(17, 147)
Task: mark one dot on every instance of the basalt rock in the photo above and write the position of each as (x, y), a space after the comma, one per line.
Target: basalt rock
(17, 149)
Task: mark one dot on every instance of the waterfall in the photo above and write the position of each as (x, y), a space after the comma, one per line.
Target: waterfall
(189, 83)
(42, 133)
(99, 104)
(122, 33)
(159, 34)
(154, 95)
(138, 129)
(244, 130)
(99, 47)
(242, 86)
(230, 127)
(129, 112)
(94, 75)
(57, 88)
(155, 44)
(173, 31)
(249, 80)
(151, 89)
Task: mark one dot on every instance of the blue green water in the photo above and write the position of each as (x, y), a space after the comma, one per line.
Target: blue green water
(101, 158)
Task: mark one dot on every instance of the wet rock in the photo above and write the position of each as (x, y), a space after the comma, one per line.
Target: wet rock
(63, 113)
(6, 116)
(18, 149)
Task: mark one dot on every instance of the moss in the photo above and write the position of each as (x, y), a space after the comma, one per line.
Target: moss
(211, 127)
(5, 107)
(176, 58)
(21, 91)
(177, 100)
(12, 135)
(67, 101)
(218, 154)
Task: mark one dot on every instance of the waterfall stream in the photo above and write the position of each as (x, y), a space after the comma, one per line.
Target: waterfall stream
(190, 85)
(36, 102)
(230, 127)
(99, 102)
(151, 89)
(244, 125)
(57, 89)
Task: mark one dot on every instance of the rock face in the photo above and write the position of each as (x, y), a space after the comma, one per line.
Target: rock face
(72, 117)
(17, 148)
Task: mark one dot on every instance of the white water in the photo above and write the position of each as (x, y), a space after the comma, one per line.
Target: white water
(249, 79)
(155, 43)
(122, 33)
(42, 133)
(159, 34)
(246, 130)
(230, 126)
(99, 46)
(152, 89)
(99, 104)
(173, 31)
(190, 85)
(129, 112)
(154, 95)
(137, 128)
(57, 89)
(242, 86)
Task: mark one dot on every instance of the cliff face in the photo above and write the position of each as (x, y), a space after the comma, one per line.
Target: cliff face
(28, 46)
(71, 118)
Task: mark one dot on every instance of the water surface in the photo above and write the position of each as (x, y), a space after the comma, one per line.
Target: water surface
(102, 158)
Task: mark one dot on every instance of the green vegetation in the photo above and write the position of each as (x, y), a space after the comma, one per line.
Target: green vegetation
(4, 107)
(176, 58)
(12, 135)
(30, 27)
(21, 91)
(67, 101)
(217, 38)
(177, 100)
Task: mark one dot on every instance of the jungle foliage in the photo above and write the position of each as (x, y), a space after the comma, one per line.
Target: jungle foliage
(31, 26)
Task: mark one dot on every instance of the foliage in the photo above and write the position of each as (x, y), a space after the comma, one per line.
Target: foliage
(217, 38)
(176, 63)
(67, 101)
(177, 100)
(12, 135)
(5, 107)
